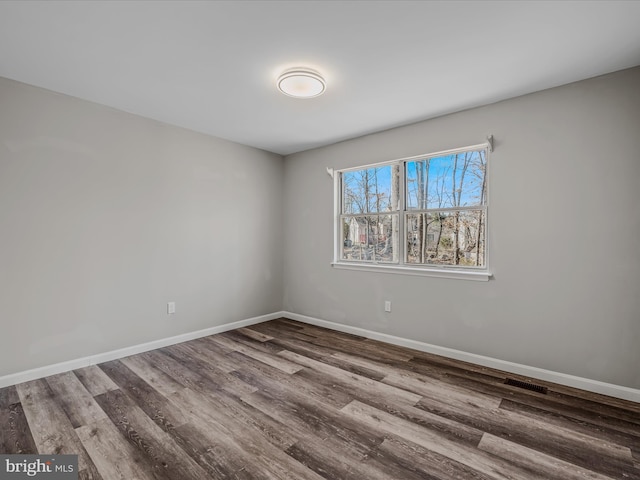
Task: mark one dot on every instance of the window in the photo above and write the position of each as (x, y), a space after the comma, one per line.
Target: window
(427, 213)
(370, 216)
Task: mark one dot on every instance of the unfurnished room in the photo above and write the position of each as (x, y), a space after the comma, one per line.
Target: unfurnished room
(307, 240)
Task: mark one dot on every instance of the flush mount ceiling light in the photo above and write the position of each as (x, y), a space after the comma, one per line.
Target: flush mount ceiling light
(301, 83)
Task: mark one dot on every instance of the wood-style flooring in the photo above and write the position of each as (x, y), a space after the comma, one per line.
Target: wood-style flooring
(285, 400)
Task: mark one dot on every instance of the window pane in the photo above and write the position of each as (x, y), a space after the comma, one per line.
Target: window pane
(446, 238)
(371, 238)
(448, 181)
(372, 190)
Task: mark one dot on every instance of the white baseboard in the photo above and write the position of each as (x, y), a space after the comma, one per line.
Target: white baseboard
(36, 373)
(595, 386)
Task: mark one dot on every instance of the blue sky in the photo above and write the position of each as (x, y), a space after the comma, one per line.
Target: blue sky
(440, 175)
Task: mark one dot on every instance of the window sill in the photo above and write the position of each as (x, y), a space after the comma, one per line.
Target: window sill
(478, 276)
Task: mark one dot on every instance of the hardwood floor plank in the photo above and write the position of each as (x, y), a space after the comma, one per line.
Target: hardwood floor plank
(302, 348)
(225, 401)
(371, 387)
(363, 369)
(15, 435)
(342, 342)
(268, 347)
(193, 373)
(264, 454)
(562, 395)
(419, 459)
(430, 386)
(220, 465)
(210, 343)
(568, 445)
(49, 425)
(155, 377)
(391, 349)
(443, 392)
(233, 411)
(87, 474)
(113, 457)
(283, 324)
(488, 375)
(167, 459)
(454, 430)
(308, 421)
(261, 337)
(348, 343)
(282, 330)
(604, 433)
(340, 467)
(478, 382)
(529, 459)
(217, 456)
(306, 382)
(210, 351)
(309, 457)
(572, 446)
(155, 405)
(94, 380)
(321, 332)
(326, 355)
(8, 396)
(342, 392)
(575, 412)
(274, 361)
(75, 400)
(221, 379)
(276, 397)
(471, 457)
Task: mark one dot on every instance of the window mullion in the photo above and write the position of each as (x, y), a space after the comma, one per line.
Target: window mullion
(337, 216)
(402, 241)
(447, 209)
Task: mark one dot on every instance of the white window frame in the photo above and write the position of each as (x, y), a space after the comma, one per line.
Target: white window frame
(402, 267)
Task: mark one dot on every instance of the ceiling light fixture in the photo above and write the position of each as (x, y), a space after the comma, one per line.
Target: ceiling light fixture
(301, 83)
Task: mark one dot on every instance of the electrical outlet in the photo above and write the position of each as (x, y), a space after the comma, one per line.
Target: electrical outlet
(171, 308)
(387, 306)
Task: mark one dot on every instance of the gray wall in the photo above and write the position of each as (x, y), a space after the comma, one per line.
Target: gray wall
(105, 217)
(564, 235)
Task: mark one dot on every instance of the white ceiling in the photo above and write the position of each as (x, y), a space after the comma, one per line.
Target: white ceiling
(211, 66)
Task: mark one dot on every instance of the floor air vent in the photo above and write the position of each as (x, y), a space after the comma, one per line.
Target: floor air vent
(526, 385)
